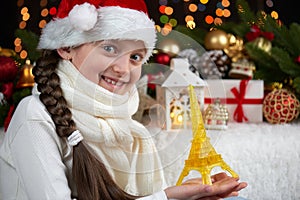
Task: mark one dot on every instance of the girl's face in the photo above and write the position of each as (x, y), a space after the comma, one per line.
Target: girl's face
(113, 64)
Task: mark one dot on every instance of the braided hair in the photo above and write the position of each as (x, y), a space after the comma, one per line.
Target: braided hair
(92, 179)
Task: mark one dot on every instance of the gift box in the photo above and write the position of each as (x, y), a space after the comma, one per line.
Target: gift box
(243, 98)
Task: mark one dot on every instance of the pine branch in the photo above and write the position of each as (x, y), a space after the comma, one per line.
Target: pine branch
(281, 34)
(245, 13)
(296, 84)
(237, 29)
(286, 63)
(295, 39)
(260, 56)
(30, 42)
(266, 67)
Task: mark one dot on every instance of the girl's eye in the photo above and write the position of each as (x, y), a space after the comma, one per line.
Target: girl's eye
(109, 49)
(136, 57)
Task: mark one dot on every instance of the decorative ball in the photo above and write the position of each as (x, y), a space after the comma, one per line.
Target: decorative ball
(7, 52)
(162, 58)
(216, 40)
(263, 43)
(235, 49)
(8, 69)
(169, 46)
(280, 106)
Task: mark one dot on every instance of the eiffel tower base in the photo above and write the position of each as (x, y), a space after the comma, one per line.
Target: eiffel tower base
(205, 172)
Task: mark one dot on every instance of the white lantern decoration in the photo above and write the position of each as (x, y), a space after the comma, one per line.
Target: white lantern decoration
(172, 94)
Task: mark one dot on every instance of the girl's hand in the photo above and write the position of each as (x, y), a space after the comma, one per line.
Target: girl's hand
(193, 189)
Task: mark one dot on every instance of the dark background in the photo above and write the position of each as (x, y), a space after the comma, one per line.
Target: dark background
(9, 15)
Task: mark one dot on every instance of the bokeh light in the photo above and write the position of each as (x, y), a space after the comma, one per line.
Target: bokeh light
(162, 9)
(169, 10)
(193, 7)
(209, 19)
(164, 19)
(53, 11)
(274, 14)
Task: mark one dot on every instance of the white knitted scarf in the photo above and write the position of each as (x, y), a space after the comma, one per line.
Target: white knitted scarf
(104, 119)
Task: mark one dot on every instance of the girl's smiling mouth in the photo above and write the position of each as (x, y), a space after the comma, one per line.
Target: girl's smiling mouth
(111, 81)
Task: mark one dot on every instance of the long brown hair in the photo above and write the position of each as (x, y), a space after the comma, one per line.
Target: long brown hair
(92, 179)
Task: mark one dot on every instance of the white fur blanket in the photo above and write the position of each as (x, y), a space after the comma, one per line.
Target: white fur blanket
(266, 156)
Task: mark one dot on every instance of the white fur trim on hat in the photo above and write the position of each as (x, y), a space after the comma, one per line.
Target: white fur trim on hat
(113, 22)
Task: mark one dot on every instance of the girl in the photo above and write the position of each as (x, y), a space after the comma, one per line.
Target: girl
(74, 138)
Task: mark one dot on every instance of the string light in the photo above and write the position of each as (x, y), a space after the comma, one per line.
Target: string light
(195, 10)
(26, 13)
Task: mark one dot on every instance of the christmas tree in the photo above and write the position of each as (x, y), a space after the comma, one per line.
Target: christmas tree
(280, 64)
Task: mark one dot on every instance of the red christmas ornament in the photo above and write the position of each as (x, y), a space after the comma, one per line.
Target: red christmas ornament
(8, 72)
(297, 60)
(163, 58)
(255, 32)
(280, 106)
(8, 69)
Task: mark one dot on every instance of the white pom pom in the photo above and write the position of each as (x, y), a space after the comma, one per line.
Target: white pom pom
(83, 17)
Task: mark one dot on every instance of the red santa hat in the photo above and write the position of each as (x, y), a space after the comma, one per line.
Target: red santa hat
(82, 21)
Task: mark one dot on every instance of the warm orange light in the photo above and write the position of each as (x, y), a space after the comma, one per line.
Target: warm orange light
(24, 10)
(42, 23)
(168, 26)
(43, 3)
(218, 21)
(20, 3)
(226, 13)
(26, 17)
(274, 14)
(209, 19)
(189, 18)
(193, 7)
(44, 12)
(18, 49)
(225, 3)
(169, 10)
(17, 42)
(23, 54)
(22, 25)
(219, 12)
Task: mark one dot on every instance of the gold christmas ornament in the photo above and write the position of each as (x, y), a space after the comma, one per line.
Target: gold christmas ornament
(169, 46)
(26, 77)
(235, 49)
(7, 52)
(263, 44)
(216, 116)
(216, 40)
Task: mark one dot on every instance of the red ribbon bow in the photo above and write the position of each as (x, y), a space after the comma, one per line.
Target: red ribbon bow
(239, 99)
(255, 32)
(239, 115)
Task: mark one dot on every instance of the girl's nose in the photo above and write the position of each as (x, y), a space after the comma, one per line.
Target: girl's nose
(122, 64)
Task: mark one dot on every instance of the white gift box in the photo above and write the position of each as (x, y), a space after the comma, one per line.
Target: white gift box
(243, 98)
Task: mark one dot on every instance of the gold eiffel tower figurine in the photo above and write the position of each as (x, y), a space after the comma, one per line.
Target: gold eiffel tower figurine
(203, 157)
